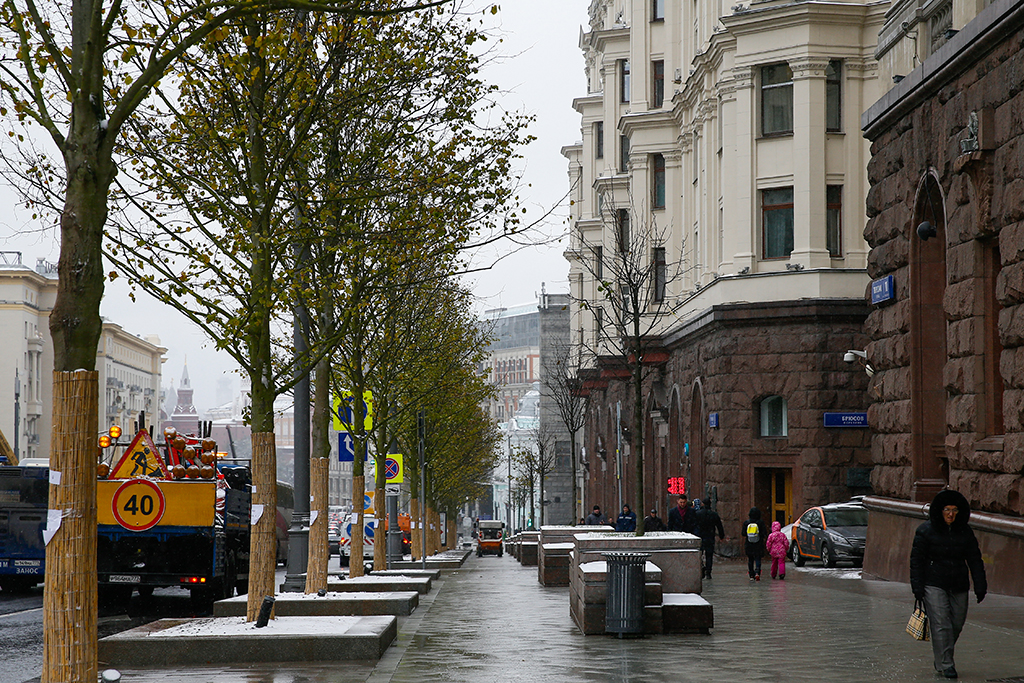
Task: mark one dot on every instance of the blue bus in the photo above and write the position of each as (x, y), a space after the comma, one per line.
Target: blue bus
(24, 490)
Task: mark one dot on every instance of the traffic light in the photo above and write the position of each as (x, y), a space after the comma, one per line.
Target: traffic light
(677, 485)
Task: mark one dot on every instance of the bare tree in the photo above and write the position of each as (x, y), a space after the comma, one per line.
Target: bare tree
(633, 281)
(563, 385)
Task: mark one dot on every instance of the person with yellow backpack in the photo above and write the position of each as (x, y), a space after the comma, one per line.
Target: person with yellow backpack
(755, 534)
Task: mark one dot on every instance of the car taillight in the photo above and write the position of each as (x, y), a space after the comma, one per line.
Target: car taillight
(193, 579)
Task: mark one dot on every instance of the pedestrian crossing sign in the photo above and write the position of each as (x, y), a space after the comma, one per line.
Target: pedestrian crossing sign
(142, 459)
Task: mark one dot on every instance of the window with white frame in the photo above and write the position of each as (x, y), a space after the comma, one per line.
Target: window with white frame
(777, 222)
(776, 99)
(834, 96)
(774, 416)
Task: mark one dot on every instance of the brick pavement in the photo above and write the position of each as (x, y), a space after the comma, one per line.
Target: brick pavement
(492, 621)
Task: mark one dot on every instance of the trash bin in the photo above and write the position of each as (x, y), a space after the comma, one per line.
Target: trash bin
(624, 605)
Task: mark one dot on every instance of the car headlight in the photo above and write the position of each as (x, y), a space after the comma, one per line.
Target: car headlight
(839, 540)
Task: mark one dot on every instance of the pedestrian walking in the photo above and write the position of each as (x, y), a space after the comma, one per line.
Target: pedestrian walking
(682, 517)
(595, 517)
(626, 520)
(708, 522)
(652, 522)
(755, 534)
(778, 546)
(944, 560)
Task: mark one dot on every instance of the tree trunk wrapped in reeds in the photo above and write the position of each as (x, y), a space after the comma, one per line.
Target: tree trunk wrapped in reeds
(69, 594)
(263, 534)
(355, 558)
(316, 567)
(380, 537)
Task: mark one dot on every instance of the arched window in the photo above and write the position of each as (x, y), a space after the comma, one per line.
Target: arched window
(773, 416)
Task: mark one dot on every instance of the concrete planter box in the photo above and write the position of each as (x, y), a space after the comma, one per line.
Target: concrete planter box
(555, 543)
(380, 584)
(331, 605)
(356, 638)
(686, 613)
(676, 554)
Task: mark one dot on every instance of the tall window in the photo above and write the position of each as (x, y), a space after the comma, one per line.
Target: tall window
(834, 96)
(622, 230)
(660, 273)
(624, 80)
(658, 78)
(834, 220)
(658, 187)
(774, 417)
(777, 222)
(776, 99)
(623, 153)
(598, 262)
(598, 323)
(599, 140)
(657, 10)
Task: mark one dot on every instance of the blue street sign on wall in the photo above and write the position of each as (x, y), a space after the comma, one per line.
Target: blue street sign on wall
(882, 290)
(846, 419)
(713, 420)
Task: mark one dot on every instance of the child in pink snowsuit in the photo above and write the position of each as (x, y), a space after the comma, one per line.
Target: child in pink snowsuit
(778, 546)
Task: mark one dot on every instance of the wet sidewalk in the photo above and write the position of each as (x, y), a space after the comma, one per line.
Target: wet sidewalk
(492, 621)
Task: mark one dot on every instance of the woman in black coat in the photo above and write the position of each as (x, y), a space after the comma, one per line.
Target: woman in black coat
(944, 560)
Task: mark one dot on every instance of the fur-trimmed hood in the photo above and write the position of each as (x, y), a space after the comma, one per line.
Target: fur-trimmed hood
(949, 497)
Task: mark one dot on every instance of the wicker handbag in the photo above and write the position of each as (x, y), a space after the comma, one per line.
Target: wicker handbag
(918, 624)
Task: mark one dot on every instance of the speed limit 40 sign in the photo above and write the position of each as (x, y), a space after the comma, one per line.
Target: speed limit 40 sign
(138, 504)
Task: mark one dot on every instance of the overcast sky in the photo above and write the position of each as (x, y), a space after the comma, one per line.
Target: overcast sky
(540, 73)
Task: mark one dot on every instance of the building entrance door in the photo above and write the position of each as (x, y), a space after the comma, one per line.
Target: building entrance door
(773, 494)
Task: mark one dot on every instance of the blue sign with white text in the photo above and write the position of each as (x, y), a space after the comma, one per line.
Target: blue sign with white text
(846, 419)
(713, 420)
(882, 290)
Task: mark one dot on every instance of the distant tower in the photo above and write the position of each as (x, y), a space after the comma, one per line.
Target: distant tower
(184, 418)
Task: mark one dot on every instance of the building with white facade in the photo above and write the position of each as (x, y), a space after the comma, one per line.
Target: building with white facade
(720, 146)
(129, 366)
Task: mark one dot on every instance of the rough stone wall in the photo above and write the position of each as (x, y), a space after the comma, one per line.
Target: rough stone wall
(794, 350)
(983, 196)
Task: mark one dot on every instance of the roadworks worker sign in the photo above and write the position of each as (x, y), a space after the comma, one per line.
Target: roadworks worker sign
(142, 459)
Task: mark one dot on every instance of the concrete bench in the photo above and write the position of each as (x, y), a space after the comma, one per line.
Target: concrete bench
(686, 613)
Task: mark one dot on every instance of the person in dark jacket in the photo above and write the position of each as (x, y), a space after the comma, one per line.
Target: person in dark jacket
(708, 522)
(652, 522)
(595, 518)
(755, 534)
(626, 520)
(944, 560)
(682, 517)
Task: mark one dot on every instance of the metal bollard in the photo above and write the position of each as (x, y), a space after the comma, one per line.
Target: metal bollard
(264, 617)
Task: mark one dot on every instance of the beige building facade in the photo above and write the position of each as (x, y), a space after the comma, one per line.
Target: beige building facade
(721, 143)
(129, 366)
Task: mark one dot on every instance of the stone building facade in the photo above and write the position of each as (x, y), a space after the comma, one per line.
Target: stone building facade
(719, 145)
(946, 212)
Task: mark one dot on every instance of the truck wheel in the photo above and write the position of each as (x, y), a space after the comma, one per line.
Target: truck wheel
(146, 591)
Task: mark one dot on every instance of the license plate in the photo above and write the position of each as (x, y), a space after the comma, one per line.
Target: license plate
(125, 578)
(26, 563)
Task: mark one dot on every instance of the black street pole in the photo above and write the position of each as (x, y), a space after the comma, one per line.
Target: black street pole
(298, 532)
(422, 428)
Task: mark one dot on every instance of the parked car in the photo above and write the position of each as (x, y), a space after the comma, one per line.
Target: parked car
(832, 533)
(333, 538)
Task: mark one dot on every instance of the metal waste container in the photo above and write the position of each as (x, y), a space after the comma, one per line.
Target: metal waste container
(624, 605)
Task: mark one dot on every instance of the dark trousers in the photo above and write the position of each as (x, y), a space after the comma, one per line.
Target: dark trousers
(753, 566)
(947, 613)
(707, 553)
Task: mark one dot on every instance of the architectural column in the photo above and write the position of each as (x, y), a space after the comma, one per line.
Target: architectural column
(741, 223)
(809, 240)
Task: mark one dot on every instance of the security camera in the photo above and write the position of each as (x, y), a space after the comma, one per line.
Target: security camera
(905, 25)
(926, 231)
(853, 354)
